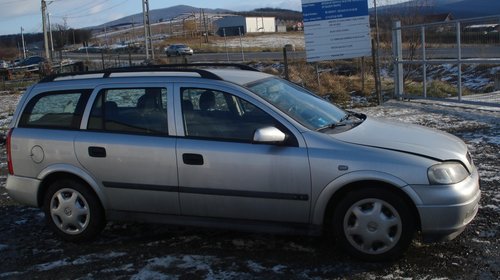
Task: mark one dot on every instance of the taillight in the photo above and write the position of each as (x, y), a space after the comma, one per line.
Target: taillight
(9, 152)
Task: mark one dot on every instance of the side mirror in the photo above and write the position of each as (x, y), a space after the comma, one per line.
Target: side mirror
(269, 135)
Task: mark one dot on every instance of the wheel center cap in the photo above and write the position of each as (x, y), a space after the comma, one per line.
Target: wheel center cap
(372, 226)
(67, 211)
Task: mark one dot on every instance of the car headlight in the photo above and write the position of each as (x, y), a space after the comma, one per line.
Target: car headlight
(447, 173)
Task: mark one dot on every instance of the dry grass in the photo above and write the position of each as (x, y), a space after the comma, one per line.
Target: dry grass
(337, 87)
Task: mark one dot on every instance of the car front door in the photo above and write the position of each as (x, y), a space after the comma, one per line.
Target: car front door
(223, 174)
(126, 146)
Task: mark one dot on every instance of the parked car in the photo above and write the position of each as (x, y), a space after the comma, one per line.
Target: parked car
(178, 49)
(3, 64)
(229, 146)
(33, 60)
(16, 62)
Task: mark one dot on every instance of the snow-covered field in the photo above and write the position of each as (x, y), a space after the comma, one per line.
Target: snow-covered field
(269, 40)
(146, 251)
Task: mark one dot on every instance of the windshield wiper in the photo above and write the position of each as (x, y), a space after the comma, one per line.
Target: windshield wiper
(343, 121)
(333, 125)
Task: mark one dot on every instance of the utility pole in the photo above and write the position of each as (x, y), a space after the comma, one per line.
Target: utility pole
(51, 39)
(378, 83)
(147, 30)
(44, 27)
(205, 26)
(22, 39)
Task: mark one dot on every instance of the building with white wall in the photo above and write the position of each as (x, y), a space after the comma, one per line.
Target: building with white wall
(233, 25)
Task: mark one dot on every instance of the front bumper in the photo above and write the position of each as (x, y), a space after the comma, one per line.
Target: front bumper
(445, 211)
(22, 189)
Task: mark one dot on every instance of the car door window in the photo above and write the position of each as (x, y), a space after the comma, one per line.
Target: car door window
(133, 110)
(219, 115)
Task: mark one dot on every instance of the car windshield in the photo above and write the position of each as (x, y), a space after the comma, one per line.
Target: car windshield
(303, 106)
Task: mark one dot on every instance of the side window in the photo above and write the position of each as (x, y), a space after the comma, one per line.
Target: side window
(59, 109)
(216, 114)
(133, 110)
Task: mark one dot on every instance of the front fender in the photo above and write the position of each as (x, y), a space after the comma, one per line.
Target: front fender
(321, 203)
(82, 174)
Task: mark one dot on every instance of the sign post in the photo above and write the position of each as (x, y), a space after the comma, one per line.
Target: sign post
(336, 29)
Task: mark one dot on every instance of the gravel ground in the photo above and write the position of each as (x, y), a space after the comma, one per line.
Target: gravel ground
(149, 251)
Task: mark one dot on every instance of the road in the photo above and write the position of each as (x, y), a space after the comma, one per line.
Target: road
(432, 53)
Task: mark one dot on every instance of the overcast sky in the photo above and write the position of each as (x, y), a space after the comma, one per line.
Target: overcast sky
(15, 14)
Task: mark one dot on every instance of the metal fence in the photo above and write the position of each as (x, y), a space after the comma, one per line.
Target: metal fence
(456, 60)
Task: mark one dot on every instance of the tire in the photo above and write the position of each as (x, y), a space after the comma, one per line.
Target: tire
(73, 211)
(373, 224)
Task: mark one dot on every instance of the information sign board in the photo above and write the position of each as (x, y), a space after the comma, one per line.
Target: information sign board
(336, 29)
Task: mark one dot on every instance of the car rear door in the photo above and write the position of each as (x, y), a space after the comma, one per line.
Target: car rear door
(126, 145)
(223, 174)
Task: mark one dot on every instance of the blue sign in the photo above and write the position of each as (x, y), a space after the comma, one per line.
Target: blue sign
(336, 29)
(326, 10)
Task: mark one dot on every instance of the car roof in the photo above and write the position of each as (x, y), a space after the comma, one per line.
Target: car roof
(234, 73)
(240, 77)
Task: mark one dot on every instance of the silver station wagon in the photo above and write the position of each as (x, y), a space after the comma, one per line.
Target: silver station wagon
(228, 146)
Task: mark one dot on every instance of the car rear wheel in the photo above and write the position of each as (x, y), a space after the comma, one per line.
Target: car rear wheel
(373, 224)
(73, 211)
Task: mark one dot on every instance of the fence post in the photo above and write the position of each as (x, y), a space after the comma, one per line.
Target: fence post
(241, 45)
(397, 49)
(225, 44)
(285, 60)
(459, 58)
(424, 63)
(317, 77)
(102, 59)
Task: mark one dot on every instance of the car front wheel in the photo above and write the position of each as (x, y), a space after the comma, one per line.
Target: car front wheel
(73, 211)
(373, 224)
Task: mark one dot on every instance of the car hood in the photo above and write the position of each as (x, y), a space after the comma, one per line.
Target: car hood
(407, 138)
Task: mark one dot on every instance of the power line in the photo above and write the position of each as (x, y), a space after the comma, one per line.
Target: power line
(85, 7)
(13, 2)
(109, 8)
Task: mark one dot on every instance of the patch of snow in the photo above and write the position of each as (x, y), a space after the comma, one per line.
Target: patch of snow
(488, 233)
(21, 222)
(255, 267)
(198, 262)
(278, 268)
(9, 274)
(52, 265)
(147, 274)
(267, 40)
(299, 248)
(81, 260)
(490, 206)
(126, 267)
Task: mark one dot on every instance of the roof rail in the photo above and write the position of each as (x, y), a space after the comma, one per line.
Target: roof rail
(211, 64)
(156, 68)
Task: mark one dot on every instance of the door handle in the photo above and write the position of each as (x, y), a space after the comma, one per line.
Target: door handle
(98, 152)
(192, 159)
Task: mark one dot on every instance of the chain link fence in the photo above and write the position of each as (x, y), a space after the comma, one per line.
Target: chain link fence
(455, 60)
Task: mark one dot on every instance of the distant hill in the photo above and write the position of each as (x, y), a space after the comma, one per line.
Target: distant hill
(282, 14)
(472, 8)
(160, 15)
(460, 9)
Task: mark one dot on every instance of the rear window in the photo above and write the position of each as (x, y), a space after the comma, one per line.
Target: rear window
(59, 109)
